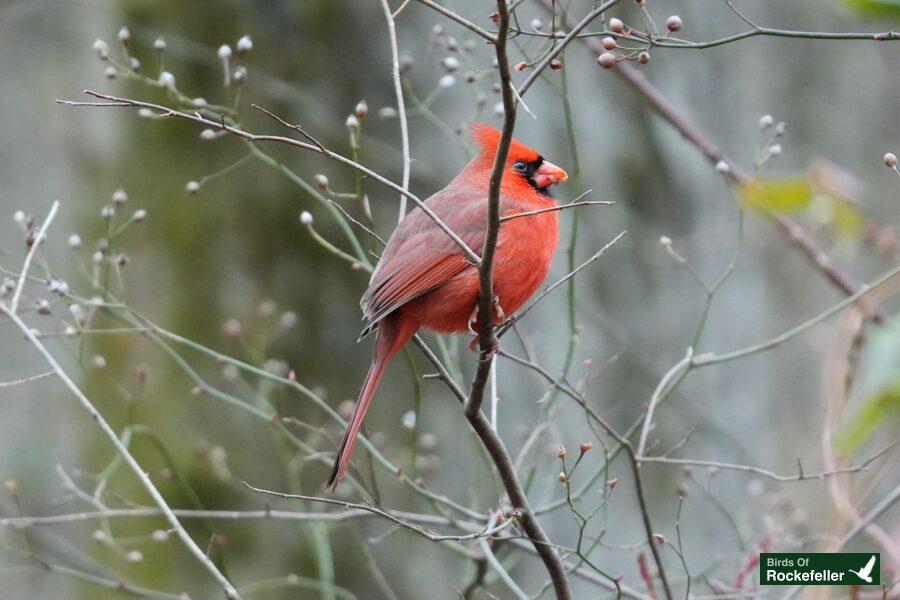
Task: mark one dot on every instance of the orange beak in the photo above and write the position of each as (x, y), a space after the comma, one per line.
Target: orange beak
(548, 174)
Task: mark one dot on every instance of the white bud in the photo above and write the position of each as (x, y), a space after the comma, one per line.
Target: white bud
(199, 102)
(451, 63)
(70, 331)
(665, 240)
(101, 49)
(616, 25)
(239, 75)
(306, 217)
(352, 122)
(124, 35)
(110, 72)
(98, 361)
(134, 63)
(674, 23)
(498, 109)
(361, 110)
(890, 160)
(288, 320)
(537, 24)
(146, 113)
(139, 215)
(97, 257)
(19, 217)
(321, 181)
(387, 113)
(160, 535)
(780, 128)
(167, 80)
(119, 197)
(224, 52)
(74, 241)
(134, 556)
(775, 150)
(447, 81)
(765, 122)
(722, 167)
(192, 187)
(99, 536)
(108, 212)
(244, 45)
(42, 306)
(607, 60)
(159, 44)
(207, 134)
(409, 419)
(609, 43)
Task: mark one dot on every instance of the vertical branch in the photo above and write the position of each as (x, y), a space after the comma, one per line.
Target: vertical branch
(38, 240)
(401, 105)
(487, 337)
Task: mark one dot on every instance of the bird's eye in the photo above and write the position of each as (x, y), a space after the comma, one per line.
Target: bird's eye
(520, 166)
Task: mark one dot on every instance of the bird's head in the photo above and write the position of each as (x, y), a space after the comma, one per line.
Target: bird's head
(523, 165)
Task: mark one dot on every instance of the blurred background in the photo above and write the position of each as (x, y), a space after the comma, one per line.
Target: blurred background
(230, 267)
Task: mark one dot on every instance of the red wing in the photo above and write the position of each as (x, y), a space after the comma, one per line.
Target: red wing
(420, 257)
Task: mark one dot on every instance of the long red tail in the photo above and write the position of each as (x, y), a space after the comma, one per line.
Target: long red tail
(392, 334)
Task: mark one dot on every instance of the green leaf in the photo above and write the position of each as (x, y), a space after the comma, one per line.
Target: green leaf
(881, 8)
(880, 408)
(778, 195)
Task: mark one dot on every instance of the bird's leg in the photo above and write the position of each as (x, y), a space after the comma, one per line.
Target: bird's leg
(473, 318)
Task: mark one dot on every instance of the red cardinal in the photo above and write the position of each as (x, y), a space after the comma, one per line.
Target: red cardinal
(424, 279)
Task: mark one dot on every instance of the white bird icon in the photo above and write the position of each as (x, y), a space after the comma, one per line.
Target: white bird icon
(866, 572)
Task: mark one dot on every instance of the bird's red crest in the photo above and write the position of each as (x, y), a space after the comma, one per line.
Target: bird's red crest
(488, 138)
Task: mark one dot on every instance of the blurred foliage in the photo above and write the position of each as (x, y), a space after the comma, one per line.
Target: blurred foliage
(877, 8)
(777, 195)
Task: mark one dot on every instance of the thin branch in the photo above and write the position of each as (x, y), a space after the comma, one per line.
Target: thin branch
(487, 531)
(15, 382)
(766, 472)
(459, 19)
(711, 359)
(531, 213)
(676, 370)
(401, 105)
(38, 240)
(311, 146)
(521, 314)
(193, 548)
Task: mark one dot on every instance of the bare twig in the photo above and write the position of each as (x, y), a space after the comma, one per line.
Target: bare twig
(15, 382)
(459, 19)
(677, 369)
(487, 531)
(531, 213)
(401, 105)
(664, 460)
(38, 240)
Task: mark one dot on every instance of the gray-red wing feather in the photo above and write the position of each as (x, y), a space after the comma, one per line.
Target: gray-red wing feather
(420, 257)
